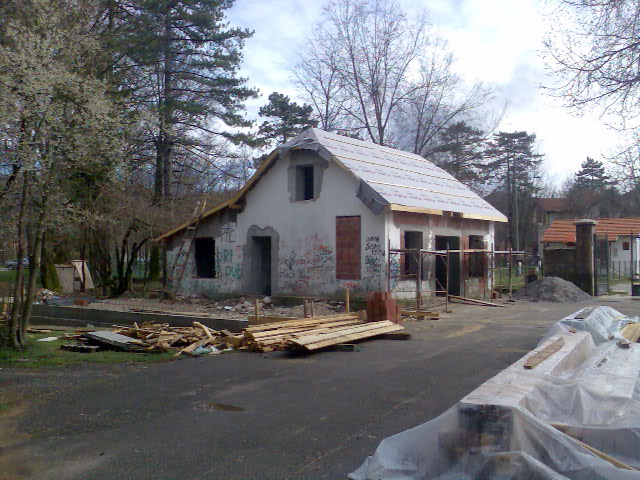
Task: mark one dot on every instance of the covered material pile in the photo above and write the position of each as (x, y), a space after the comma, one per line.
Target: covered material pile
(568, 409)
(551, 289)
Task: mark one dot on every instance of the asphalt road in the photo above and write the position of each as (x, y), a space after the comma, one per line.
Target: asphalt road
(242, 416)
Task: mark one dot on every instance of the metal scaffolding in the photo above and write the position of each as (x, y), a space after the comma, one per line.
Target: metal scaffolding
(398, 256)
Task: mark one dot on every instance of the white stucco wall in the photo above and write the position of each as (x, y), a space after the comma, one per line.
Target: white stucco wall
(306, 237)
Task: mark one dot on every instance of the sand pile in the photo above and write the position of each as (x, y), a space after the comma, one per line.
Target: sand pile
(551, 289)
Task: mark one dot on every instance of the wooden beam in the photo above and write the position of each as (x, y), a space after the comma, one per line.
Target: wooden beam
(543, 354)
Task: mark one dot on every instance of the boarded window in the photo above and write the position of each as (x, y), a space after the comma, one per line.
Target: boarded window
(205, 255)
(348, 246)
(412, 241)
(305, 182)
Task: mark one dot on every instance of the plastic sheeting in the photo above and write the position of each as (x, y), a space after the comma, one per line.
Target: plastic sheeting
(512, 426)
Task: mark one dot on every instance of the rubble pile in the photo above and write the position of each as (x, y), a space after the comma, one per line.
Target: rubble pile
(309, 334)
(551, 289)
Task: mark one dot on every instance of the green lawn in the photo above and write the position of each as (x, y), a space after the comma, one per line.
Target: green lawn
(44, 354)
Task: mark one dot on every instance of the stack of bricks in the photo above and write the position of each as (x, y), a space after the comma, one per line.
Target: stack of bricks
(382, 306)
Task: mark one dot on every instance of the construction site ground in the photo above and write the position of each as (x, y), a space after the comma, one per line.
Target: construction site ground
(245, 415)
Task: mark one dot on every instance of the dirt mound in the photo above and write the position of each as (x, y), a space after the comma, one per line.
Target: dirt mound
(551, 289)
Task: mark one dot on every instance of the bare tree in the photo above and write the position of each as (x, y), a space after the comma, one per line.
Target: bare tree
(369, 71)
(359, 63)
(439, 99)
(597, 58)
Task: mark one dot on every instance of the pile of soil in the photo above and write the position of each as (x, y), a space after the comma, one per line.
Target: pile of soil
(551, 289)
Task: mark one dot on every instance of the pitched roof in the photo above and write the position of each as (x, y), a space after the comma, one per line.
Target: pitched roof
(564, 231)
(553, 204)
(404, 181)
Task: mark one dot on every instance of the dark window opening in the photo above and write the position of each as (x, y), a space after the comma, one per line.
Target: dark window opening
(625, 245)
(348, 248)
(205, 255)
(305, 182)
(448, 273)
(412, 241)
(476, 260)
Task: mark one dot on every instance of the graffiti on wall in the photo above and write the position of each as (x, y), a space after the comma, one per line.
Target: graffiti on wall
(373, 263)
(310, 266)
(228, 264)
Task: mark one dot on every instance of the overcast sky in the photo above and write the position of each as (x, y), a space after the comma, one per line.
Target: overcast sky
(497, 41)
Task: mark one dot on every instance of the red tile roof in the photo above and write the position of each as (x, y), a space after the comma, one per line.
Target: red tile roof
(553, 204)
(564, 231)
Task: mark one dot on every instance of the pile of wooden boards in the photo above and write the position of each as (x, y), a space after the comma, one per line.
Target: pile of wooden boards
(313, 333)
(160, 336)
(304, 333)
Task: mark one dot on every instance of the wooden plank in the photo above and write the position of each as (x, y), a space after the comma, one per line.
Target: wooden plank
(282, 331)
(604, 456)
(388, 327)
(473, 301)
(631, 332)
(543, 354)
(190, 348)
(300, 322)
(205, 329)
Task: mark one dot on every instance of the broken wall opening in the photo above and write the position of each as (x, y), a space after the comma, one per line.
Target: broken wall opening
(262, 259)
(205, 257)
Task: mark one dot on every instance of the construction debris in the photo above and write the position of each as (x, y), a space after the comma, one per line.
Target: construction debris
(551, 289)
(303, 333)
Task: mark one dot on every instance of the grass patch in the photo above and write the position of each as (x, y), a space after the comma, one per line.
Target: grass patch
(47, 354)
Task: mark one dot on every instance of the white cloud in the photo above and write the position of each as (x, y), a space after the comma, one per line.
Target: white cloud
(496, 41)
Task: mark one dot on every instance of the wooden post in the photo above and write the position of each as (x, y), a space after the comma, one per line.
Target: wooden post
(446, 294)
(313, 314)
(509, 265)
(347, 307)
(306, 309)
(257, 311)
(419, 282)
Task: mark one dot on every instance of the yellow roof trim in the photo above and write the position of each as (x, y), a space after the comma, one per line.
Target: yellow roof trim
(403, 208)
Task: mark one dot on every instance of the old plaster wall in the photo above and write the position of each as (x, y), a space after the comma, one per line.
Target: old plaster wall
(303, 236)
(432, 226)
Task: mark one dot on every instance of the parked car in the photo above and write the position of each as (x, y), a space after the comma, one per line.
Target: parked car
(13, 264)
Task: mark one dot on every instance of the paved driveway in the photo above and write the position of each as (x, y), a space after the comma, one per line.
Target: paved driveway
(257, 416)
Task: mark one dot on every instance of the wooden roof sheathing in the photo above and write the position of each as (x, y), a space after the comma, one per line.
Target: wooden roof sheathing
(404, 179)
(564, 230)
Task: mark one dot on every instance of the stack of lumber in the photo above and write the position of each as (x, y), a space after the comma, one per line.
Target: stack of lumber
(313, 333)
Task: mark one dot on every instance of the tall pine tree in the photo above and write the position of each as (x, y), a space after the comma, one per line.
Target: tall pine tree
(286, 119)
(182, 60)
(514, 169)
(461, 153)
(592, 176)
